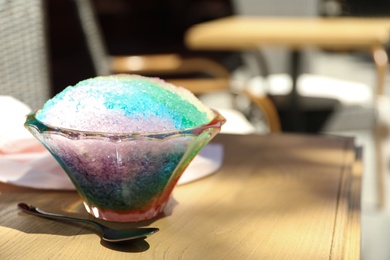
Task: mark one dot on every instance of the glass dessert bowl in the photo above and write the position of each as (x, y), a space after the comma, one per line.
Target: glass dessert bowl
(124, 177)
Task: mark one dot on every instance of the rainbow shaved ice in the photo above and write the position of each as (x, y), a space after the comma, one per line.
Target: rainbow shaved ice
(125, 104)
(124, 141)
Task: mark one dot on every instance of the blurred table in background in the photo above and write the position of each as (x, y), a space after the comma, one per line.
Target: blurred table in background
(282, 196)
(241, 33)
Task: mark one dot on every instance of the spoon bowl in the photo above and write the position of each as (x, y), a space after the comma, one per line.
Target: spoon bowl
(107, 234)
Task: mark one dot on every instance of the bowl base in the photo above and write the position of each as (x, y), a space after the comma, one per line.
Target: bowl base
(110, 215)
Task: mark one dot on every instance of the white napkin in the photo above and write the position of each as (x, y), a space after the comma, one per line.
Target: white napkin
(25, 162)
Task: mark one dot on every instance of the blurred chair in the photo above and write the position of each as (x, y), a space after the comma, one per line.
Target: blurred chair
(24, 69)
(198, 74)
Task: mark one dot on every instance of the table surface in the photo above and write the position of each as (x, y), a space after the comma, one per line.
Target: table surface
(278, 196)
(250, 32)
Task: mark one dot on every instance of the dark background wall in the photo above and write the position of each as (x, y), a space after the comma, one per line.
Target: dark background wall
(366, 7)
(128, 26)
(146, 26)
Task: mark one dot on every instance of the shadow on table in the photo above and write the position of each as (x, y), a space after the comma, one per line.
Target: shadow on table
(67, 203)
(132, 246)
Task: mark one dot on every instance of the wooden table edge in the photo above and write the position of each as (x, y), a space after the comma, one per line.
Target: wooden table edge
(347, 237)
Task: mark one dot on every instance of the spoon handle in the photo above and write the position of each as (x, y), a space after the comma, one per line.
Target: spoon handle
(40, 213)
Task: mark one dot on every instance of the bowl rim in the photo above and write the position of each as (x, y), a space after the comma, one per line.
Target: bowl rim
(32, 122)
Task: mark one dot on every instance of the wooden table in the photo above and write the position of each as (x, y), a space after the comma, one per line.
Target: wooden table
(275, 197)
(241, 33)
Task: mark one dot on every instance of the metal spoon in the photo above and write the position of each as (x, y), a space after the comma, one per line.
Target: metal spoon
(108, 234)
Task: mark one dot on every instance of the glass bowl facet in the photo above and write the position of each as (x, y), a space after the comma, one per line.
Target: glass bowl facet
(124, 177)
